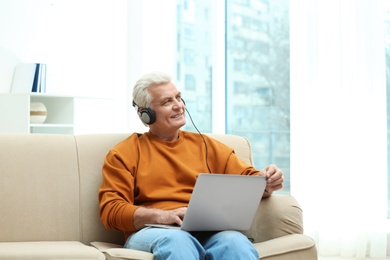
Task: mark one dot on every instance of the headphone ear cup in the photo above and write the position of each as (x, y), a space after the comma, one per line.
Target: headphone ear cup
(148, 116)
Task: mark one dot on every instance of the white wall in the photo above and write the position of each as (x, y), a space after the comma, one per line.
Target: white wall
(338, 125)
(83, 43)
(93, 48)
(152, 43)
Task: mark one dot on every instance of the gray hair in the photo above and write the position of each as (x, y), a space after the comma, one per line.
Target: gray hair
(141, 95)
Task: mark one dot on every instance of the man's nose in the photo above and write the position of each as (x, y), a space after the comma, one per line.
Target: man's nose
(178, 104)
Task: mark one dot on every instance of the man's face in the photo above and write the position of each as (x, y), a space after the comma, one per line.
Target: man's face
(169, 108)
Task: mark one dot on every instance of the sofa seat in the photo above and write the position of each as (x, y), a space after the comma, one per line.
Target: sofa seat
(48, 250)
(285, 248)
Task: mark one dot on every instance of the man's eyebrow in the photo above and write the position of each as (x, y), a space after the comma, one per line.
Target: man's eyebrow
(165, 98)
(161, 100)
(169, 97)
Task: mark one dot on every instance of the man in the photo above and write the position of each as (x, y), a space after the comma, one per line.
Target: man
(149, 178)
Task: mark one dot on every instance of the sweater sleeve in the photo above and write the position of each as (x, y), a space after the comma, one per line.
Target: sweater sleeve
(236, 166)
(116, 194)
(223, 159)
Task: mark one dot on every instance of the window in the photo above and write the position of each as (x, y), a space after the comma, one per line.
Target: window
(257, 81)
(256, 68)
(194, 60)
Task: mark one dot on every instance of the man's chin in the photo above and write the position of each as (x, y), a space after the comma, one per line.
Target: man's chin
(182, 123)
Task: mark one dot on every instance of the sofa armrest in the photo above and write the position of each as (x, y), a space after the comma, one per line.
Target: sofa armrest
(290, 247)
(277, 216)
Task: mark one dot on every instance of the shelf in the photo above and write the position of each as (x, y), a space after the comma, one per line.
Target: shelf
(51, 125)
(15, 113)
(62, 117)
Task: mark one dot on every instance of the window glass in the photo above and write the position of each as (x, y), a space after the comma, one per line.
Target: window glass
(258, 79)
(257, 73)
(194, 67)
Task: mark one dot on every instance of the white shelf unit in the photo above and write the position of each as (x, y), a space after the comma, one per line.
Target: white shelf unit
(15, 113)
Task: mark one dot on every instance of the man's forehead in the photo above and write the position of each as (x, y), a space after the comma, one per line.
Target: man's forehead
(164, 91)
(167, 96)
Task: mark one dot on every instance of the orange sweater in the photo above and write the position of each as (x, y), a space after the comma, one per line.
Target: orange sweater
(144, 170)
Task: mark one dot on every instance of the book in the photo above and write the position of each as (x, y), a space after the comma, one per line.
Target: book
(42, 81)
(29, 77)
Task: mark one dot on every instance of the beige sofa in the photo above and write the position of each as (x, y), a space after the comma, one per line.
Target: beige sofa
(49, 206)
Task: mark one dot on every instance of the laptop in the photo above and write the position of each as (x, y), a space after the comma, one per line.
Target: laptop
(222, 202)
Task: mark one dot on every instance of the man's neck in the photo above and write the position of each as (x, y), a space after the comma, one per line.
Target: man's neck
(172, 137)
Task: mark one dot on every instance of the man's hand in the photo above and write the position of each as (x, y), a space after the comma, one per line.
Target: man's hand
(144, 216)
(274, 177)
(174, 216)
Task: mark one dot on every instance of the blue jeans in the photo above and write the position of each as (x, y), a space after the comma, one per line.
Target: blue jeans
(177, 244)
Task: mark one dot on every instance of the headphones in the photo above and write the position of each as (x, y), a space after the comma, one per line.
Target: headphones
(146, 114)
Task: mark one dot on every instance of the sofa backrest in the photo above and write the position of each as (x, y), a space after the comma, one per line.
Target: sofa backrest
(92, 150)
(49, 185)
(240, 144)
(39, 187)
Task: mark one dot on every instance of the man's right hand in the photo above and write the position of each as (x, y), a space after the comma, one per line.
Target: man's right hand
(144, 216)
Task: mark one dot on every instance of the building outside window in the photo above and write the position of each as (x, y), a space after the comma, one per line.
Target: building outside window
(194, 63)
(256, 71)
(258, 79)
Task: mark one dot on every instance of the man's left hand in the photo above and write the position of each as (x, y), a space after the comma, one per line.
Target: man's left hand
(274, 177)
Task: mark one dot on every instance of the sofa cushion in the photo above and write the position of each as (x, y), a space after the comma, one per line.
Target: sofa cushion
(117, 252)
(91, 150)
(48, 250)
(290, 247)
(39, 186)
